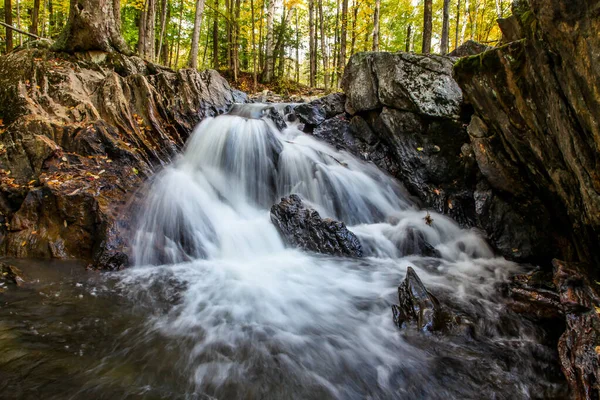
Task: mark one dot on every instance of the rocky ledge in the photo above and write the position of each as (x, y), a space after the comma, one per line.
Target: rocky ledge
(79, 134)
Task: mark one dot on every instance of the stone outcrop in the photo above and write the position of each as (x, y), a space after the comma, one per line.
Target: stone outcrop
(79, 134)
(536, 132)
(304, 228)
(418, 307)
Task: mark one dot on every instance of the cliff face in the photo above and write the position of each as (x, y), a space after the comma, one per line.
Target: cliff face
(536, 135)
(536, 129)
(79, 134)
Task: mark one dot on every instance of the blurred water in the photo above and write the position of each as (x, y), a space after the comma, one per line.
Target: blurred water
(218, 307)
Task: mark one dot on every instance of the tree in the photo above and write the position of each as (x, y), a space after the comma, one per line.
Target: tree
(323, 48)
(254, 78)
(427, 26)
(193, 60)
(91, 26)
(35, 17)
(445, 28)
(457, 24)
(376, 25)
(8, 20)
(267, 75)
(216, 35)
(343, 36)
(311, 43)
(147, 31)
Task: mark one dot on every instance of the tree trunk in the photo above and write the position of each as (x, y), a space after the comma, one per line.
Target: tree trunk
(18, 21)
(216, 36)
(149, 32)
(179, 34)
(163, 24)
(35, 17)
(353, 30)
(254, 77)
(336, 48)
(91, 26)
(193, 60)
(323, 47)
(142, 29)
(445, 28)
(311, 43)
(408, 38)
(297, 48)
(267, 75)
(343, 35)
(427, 26)
(8, 20)
(457, 25)
(236, 42)
(117, 14)
(376, 25)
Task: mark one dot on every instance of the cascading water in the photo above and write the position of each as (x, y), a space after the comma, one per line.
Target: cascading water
(254, 319)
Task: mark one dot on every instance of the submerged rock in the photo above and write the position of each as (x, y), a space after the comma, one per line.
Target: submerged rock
(304, 228)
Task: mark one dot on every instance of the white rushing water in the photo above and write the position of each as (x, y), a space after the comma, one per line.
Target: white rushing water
(267, 321)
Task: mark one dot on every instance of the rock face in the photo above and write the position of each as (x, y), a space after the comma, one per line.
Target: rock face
(469, 48)
(536, 132)
(304, 228)
(579, 346)
(80, 133)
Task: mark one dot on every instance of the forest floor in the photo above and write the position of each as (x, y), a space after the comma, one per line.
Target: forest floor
(278, 91)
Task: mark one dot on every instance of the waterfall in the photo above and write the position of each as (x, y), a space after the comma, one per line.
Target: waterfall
(267, 321)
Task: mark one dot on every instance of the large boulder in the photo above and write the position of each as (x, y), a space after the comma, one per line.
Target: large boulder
(80, 134)
(403, 81)
(303, 227)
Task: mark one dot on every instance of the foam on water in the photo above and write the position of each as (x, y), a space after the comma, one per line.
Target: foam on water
(266, 321)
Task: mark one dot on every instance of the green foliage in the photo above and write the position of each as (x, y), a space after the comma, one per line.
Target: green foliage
(476, 20)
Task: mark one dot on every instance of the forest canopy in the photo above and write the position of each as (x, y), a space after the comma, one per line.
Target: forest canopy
(307, 41)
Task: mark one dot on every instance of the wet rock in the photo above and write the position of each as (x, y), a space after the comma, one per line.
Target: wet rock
(333, 104)
(274, 115)
(415, 243)
(11, 274)
(310, 114)
(416, 305)
(403, 81)
(469, 48)
(579, 346)
(82, 133)
(534, 295)
(304, 228)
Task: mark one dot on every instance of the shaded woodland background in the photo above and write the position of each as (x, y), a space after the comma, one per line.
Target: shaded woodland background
(272, 41)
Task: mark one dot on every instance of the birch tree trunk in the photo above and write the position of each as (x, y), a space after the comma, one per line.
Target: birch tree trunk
(343, 35)
(268, 70)
(193, 60)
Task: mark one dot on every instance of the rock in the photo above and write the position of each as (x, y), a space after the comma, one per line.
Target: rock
(469, 48)
(534, 295)
(272, 114)
(414, 243)
(418, 306)
(11, 274)
(333, 104)
(511, 30)
(304, 228)
(403, 81)
(310, 114)
(579, 346)
(82, 133)
(536, 133)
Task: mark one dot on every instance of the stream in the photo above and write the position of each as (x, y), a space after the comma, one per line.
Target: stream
(217, 307)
